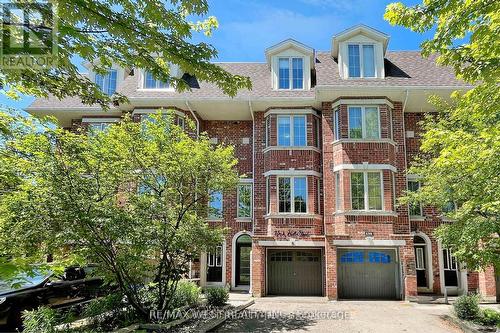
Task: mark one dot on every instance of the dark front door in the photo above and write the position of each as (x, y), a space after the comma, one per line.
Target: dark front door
(243, 264)
(295, 272)
(367, 273)
(214, 265)
(421, 266)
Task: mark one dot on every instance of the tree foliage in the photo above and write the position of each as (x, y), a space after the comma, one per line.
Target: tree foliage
(145, 34)
(460, 150)
(132, 199)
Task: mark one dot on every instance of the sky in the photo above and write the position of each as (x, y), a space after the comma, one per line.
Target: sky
(248, 27)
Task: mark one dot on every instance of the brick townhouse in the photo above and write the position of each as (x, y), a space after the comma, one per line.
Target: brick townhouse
(324, 140)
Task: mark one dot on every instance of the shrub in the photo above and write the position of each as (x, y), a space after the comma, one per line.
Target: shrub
(217, 296)
(41, 320)
(490, 317)
(187, 293)
(467, 307)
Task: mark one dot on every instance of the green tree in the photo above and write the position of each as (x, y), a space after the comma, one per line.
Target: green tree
(145, 34)
(132, 199)
(460, 153)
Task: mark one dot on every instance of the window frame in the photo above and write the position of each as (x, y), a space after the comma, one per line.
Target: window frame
(361, 62)
(290, 72)
(366, 190)
(336, 124)
(419, 204)
(143, 87)
(105, 83)
(420, 258)
(292, 130)
(216, 218)
(363, 119)
(238, 201)
(292, 192)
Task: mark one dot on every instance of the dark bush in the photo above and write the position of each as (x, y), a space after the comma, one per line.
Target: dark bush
(467, 307)
(217, 296)
(489, 317)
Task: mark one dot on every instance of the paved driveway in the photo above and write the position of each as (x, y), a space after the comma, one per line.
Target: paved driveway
(295, 314)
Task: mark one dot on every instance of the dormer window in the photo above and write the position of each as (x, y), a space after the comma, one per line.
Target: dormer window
(361, 60)
(107, 82)
(151, 83)
(291, 73)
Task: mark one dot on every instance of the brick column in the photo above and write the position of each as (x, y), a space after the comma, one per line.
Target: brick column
(487, 284)
(258, 270)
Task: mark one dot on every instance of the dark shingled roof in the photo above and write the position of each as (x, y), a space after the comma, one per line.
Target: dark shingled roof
(402, 68)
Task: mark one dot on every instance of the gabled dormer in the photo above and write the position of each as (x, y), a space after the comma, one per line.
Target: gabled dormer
(291, 63)
(360, 52)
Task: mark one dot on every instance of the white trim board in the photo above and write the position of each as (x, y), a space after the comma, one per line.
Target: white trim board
(291, 172)
(369, 242)
(364, 167)
(366, 101)
(100, 120)
(291, 111)
(297, 243)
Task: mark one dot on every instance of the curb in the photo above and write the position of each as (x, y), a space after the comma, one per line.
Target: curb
(212, 325)
(466, 326)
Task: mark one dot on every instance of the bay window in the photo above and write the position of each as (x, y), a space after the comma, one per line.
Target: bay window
(292, 131)
(245, 200)
(107, 82)
(364, 122)
(361, 60)
(292, 194)
(290, 73)
(366, 190)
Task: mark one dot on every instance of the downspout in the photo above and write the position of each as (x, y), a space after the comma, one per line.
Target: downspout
(250, 108)
(253, 188)
(404, 147)
(195, 118)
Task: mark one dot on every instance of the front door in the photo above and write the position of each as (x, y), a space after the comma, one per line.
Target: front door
(450, 268)
(243, 257)
(421, 266)
(214, 265)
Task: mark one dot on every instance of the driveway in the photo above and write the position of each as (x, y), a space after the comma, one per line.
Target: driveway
(305, 314)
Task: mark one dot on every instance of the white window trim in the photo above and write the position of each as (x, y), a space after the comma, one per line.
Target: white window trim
(290, 73)
(363, 125)
(238, 201)
(361, 62)
(292, 190)
(143, 84)
(365, 188)
(338, 191)
(336, 124)
(292, 134)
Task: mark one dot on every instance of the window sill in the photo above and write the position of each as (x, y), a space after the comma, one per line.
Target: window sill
(366, 213)
(272, 148)
(389, 141)
(213, 219)
(290, 216)
(417, 218)
(243, 219)
(157, 89)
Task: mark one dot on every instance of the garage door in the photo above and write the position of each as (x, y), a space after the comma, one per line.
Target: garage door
(294, 272)
(367, 273)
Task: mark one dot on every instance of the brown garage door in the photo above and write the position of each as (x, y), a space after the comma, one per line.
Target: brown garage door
(294, 272)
